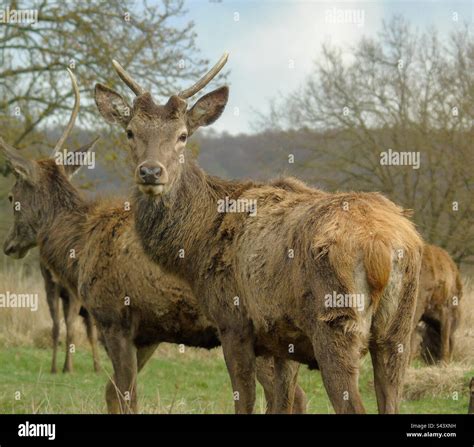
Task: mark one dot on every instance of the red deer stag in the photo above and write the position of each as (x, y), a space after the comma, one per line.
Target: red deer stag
(438, 302)
(289, 270)
(134, 304)
(23, 236)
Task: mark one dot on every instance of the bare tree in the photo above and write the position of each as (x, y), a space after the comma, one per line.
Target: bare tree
(85, 36)
(408, 92)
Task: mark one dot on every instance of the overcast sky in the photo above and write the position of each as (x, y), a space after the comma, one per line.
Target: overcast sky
(273, 44)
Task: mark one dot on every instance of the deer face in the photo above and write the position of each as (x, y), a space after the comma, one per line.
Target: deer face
(157, 134)
(22, 235)
(39, 189)
(157, 137)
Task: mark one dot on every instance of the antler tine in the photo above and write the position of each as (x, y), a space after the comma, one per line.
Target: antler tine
(72, 119)
(125, 77)
(199, 85)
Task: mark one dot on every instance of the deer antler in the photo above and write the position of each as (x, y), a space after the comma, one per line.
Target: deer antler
(125, 77)
(199, 85)
(72, 119)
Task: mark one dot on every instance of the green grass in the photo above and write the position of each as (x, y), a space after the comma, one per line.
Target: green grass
(192, 382)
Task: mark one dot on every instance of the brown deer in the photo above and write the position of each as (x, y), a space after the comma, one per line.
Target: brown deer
(438, 302)
(22, 237)
(55, 294)
(282, 268)
(134, 304)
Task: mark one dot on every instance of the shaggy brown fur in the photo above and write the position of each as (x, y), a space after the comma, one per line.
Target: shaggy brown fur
(93, 249)
(55, 293)
(28, 210)
(438, 300)
(264, 279)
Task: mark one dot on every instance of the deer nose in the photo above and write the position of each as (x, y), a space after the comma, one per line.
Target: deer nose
(8, 248)
(149, 173)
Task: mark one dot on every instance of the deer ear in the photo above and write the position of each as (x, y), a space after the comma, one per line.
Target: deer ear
(207, 109)
(112, 106)
(22, 167)
(81, 152)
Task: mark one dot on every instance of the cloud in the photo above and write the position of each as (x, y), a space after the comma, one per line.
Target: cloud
(273, 45)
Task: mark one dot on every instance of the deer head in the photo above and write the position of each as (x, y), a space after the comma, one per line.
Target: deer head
(39, 186)
(157, 134)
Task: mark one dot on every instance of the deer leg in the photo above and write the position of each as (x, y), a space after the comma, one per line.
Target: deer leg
(286, 376)
(272, 386)
(92, 337)
(111, 398)
(71, 307)
(451, 343)
(415, 343)
(55, 334)
(239, 356)
(111, 392)
(123, 354)
(52, 297)
(290, 372)
(389, 363)
(390, 357)
(390, 353)
(445, 336)
(53, 303)
(265, 374)
(338, 356)
(301, 401)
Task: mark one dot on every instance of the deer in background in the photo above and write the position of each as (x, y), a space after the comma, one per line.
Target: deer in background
(55, 294)
(22, 237)
(267, 276)
(438, 301)
(134, 304)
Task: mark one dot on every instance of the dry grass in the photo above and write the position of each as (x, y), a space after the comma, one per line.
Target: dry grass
(19, 326)
(443, 381)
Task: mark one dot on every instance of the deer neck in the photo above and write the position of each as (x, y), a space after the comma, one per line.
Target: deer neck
(60, 240)
(178, 230)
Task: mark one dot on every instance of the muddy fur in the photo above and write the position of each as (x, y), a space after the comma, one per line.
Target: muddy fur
(282, 298)
(438, 304)
(92, 248)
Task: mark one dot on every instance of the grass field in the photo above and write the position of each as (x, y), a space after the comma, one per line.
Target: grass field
(195, 381)
(173, 382)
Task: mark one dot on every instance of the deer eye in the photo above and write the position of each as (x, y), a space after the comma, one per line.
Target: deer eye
(183, 137)
(129, 134)
(10, 198)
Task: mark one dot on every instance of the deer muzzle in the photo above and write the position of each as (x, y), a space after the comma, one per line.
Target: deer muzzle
(151, 178)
